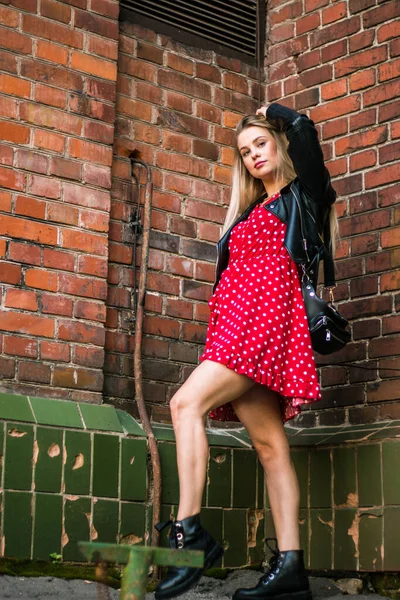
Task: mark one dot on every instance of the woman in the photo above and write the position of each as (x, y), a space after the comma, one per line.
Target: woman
(258, 366)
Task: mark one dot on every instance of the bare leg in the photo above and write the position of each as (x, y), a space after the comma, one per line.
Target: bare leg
(209, 386)
(259, 411)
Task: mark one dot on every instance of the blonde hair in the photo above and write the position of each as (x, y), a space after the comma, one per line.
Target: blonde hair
(246, 188)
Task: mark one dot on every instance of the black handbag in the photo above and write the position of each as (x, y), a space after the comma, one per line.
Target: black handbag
(328, 329)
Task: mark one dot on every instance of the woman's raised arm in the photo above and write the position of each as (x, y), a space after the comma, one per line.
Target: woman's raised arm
(304, 150)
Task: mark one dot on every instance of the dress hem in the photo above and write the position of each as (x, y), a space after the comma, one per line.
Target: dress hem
(306, 392)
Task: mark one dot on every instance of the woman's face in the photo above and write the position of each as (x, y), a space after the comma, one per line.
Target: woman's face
(258, 150)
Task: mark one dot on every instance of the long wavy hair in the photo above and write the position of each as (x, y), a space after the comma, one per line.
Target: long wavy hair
(246, 188)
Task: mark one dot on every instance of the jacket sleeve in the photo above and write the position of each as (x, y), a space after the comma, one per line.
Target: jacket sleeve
(305, 152)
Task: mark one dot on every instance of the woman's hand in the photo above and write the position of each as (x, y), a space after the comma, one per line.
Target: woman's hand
(262, 111)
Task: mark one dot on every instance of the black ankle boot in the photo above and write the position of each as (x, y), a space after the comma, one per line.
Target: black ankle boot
(286, 579)
(187, 534)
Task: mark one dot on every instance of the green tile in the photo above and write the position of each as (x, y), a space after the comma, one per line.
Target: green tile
(223, 439)
(391, 472)
(167, 513)
(260, 486)
(321, 539)
(304, 534)
(290, 430)
(255, 528)
(300, 462)
(76, 525)
(308, 439)
(369, 475)
(366, 427)
(240, 441)
(105, 465)
(344, 468)
(169, 472)
(105, 520)
(345, 539)
(129, 425)
(133, 469)
(17, 530)
(78, 463)
(320, 478)
(133, 523)
(56, 412)
(243, 435)
(335, 439)
(354, 433)
(269, 530)
(235, 537)
(165, 434)
(101, 417)
(15, 408)
(49, 460)
(219, 477)
(48, 526)
(2, 450)
(385, 433)
(391, 530)
(18, 458)
(370, 543)
(244, 478)
(211, 519)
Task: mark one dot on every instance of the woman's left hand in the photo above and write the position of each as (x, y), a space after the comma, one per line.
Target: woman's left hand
(262, 111)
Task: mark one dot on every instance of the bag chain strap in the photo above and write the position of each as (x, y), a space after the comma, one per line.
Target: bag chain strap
(303, 266)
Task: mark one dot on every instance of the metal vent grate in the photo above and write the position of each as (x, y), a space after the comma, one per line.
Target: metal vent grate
(230, 24)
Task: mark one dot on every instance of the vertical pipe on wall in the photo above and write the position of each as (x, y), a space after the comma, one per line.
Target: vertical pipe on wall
(137, 357)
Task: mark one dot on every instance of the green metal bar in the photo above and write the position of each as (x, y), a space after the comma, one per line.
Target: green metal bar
(138, 560)
(135, 575)
(120, 554)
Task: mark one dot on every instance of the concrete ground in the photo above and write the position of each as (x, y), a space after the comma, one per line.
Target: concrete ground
(50, 588)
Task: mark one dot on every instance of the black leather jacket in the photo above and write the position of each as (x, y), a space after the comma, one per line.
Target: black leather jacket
(311, 191)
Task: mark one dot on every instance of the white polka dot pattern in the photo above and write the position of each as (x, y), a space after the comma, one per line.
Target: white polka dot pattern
(258, 324)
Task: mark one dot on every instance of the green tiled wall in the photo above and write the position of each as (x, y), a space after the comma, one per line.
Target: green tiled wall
(71, 472)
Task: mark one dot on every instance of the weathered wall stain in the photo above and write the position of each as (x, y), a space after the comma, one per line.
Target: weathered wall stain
(64, 538)
(17, 434)
(131, 539)
(353, 532)
(351, 501)
(329, 523)
(54, 450)
(35, 453)
(254, 518)
(219, 458)
(78, 462)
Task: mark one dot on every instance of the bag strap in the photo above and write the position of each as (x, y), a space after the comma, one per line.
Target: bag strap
(327, 256)
(329, 265)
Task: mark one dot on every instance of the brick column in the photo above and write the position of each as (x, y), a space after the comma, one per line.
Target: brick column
(178, 106)
(57, 110)
(338, 62)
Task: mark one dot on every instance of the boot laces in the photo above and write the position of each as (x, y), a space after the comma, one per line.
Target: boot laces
(275, 561)
(176, 533)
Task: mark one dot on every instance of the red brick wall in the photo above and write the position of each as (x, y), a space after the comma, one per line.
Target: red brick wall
(63, 232)
(57, 113)
(178, 106)
(339, 61)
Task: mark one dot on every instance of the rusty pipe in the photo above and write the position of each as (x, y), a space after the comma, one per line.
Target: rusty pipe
(137, 356)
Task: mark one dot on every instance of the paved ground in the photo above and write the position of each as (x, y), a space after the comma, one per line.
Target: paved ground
(49, 588)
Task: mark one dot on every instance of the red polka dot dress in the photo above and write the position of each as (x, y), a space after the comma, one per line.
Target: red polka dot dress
(258, 324)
